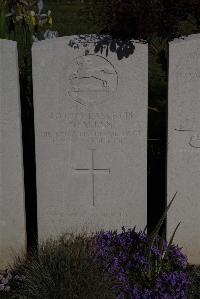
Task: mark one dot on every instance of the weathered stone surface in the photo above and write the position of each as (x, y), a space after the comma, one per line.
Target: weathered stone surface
(91, 137)
(12, 208)
(184, 143)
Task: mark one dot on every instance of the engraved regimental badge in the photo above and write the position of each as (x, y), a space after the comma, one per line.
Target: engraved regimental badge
(91, 79)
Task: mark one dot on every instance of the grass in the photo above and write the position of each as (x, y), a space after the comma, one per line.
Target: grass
(194, 288)
(62, 269)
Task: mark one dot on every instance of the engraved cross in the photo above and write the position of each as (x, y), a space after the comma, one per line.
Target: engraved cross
(92, 171)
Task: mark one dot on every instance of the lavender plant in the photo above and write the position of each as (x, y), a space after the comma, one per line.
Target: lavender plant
(124, 256)
(142, 266)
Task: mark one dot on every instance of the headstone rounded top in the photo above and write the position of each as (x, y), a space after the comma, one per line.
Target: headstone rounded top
(8, 42)
(183, 39)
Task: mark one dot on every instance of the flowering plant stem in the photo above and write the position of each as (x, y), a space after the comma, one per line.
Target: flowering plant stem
(152, 236)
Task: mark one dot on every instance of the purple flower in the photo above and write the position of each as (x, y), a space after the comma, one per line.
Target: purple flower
(156, 251)
(125, 258)
(172, 284)
(179, 258)
(121, 276)
(122, 256)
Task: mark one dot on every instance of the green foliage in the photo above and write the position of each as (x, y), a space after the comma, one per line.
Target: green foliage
(69, 17)
(194, 287)
(62, 269)
(156, 21)
(157, 268)
(143, 19)
(2, 20)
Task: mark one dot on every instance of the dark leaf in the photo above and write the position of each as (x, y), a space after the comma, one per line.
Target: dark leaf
(113, 46)
(97, 48)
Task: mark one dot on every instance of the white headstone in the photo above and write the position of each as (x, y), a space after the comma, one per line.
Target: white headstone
(12, 208)
(184, 143)
(91, 137)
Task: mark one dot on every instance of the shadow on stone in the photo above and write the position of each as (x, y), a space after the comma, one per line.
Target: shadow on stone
(104, 44)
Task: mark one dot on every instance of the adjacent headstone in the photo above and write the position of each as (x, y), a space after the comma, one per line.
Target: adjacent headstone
(91, 137)
(12, 208)
(184, 143)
